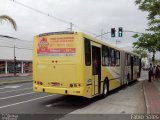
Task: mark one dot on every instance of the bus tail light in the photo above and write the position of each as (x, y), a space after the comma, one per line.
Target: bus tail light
(55, 84)
(77, 91)
(39, 83)
(71, 85)
(75, 85)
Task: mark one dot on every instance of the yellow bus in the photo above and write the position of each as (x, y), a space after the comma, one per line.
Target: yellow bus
(73, 63)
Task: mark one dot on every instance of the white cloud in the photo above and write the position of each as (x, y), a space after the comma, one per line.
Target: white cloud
(91, 15)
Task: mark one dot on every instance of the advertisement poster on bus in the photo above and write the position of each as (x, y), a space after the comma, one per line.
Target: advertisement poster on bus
(56, 46)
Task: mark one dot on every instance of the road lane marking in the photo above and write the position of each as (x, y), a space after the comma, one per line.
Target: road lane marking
(16, 95)
(50, 105)
(11, 87)
(15, 90)
(25, 101)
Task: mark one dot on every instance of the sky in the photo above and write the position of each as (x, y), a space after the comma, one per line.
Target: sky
(89, 16)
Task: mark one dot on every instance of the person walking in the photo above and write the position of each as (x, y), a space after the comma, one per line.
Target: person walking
(154, 72)
(157, 72)
(150, 72)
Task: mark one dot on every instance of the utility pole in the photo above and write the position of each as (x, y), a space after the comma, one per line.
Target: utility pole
(14, 61)
(71, 26)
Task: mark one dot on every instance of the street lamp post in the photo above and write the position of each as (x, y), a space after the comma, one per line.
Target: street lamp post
(14, 61)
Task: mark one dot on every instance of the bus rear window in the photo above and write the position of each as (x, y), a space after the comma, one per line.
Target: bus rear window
(56, 46)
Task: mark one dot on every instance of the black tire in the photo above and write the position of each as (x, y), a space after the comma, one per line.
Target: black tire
(128, 79)
(105, 89)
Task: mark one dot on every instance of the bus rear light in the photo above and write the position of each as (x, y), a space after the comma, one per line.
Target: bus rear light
(77, 91)
(39, 83)
(55, 84)
(71, 85)
(75, 85)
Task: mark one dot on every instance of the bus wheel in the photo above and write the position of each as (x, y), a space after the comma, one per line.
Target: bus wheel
(128, 78)
(105, 90)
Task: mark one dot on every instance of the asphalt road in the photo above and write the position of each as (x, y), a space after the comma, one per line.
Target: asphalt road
(20, 99)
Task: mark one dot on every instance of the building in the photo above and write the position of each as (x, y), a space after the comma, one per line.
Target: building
(15, 57)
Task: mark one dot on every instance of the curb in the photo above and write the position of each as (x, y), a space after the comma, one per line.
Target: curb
(14, 82)
(146, 101)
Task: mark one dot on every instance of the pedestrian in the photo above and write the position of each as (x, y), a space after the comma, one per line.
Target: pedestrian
(150, 72)
(157, 72)
(154, 72)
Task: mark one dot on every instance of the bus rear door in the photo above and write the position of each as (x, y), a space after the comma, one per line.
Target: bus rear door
(96, 69)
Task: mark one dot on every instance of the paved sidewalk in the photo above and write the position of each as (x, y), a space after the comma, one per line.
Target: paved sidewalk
(11, 79)
(152, 96)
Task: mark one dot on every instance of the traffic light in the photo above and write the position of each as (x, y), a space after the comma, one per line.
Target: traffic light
(113, 32)
(120, 32)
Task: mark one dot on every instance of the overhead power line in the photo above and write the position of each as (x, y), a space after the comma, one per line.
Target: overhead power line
(15, 47)
(38, 11)
(85, 30)
(15, 39)
(51, 16)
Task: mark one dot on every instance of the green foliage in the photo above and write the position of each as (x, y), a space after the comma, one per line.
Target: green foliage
(146, 42)
(151, 40)
(151, 6)
(141, 52)
(9, 19)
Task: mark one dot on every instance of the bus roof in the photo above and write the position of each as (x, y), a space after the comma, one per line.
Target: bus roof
(88, 37)
(109, 45)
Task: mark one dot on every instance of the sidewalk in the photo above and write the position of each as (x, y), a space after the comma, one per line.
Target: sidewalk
(11, 78)
(152, 96)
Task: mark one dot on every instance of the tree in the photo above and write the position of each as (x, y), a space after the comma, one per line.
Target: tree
(141, 52)
(151, 40)
(9, 19)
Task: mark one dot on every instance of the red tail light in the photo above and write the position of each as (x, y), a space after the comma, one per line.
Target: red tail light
(39, 83)
(55, 83)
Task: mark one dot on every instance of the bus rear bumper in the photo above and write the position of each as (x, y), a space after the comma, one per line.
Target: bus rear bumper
(63, 91)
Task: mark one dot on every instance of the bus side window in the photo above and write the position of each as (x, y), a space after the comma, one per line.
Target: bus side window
(128, 60)
(113, 57)
(117, 58)
(87, 52)
(105, 56)
(137, 62)
(134, 61)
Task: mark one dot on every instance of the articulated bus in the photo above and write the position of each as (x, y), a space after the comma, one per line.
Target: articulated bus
(73, 63)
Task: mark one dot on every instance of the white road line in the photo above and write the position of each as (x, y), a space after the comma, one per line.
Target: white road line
(3, 88)
(50, 105)
(24, 101)
(11, 87)
(15, 90)
(16, 95)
